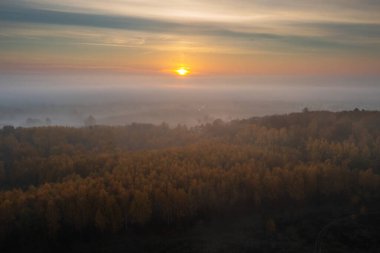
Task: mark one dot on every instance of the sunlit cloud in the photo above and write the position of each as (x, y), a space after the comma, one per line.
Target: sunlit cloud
(147, 34)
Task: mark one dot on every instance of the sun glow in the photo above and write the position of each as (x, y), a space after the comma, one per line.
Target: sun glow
(182, 71)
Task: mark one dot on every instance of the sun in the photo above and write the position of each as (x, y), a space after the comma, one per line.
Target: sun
(182, 71)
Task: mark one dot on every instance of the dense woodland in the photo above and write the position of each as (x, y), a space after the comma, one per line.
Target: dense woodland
(62, 185)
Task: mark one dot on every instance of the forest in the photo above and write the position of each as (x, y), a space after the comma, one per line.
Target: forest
(300, 182)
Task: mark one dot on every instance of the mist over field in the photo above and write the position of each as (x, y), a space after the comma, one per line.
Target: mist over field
(115, 99)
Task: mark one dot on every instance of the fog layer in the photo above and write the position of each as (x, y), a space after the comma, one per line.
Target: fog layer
(61, 99)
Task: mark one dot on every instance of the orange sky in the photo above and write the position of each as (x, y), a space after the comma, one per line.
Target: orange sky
(208, 37)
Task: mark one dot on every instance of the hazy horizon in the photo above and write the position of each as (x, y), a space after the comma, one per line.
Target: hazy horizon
(28, 99)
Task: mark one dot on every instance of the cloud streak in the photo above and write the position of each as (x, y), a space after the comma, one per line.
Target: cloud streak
(344, 30)
(337, 27)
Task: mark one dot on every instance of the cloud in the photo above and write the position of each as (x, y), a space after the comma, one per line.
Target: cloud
(52, 30)
(326, 35)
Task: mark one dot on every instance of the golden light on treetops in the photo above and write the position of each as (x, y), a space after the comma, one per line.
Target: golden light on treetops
(182, 71)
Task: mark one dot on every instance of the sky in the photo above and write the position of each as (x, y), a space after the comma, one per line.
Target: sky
(208, 37)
